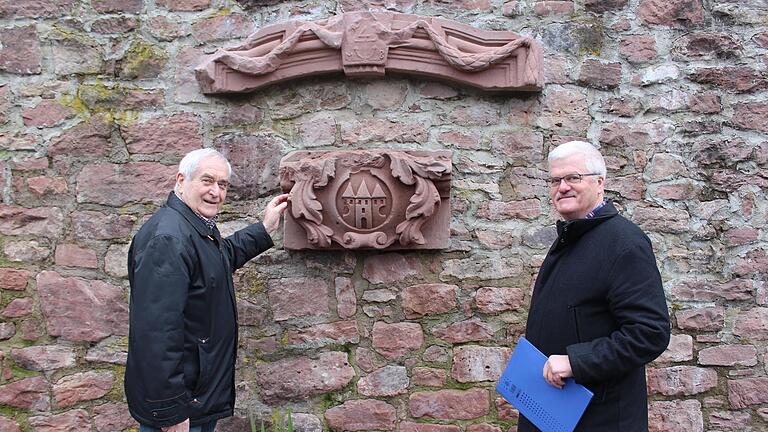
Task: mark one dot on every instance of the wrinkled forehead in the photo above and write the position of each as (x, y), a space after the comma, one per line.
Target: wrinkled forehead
(212, 166)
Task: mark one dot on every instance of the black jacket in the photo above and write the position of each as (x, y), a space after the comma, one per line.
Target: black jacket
(183, 316)
(599, 299)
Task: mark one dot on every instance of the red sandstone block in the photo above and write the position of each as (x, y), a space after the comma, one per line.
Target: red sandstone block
(450, 404)
(603, 76)
(13, 279)
(546, 8)
(752, 324)
(396, 340)
(681, 380)
(638, 48)
(385, 382)
(675, 416)
(20, 50)
(112, 6)
(184, 5)
(303, 377)
(72, 255)
(473, 363)
(428, 299)
(671, 13)
(298, 297)
(223, 27)
(743, 393)
(701, 319)
(361, 415)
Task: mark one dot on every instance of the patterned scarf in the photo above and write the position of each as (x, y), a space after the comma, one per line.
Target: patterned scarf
(210, 223)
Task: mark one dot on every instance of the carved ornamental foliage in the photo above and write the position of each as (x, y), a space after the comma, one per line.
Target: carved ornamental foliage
(367, 199)
(372, 44)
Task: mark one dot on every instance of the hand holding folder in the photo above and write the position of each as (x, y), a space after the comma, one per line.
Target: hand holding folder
(549, 408)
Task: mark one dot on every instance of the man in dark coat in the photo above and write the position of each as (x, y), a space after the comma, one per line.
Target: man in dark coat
(182, 345)
(598, 310)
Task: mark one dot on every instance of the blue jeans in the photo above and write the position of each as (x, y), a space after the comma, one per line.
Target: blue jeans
(208, 427)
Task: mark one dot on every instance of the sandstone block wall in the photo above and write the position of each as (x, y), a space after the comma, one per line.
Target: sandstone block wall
(98, 101)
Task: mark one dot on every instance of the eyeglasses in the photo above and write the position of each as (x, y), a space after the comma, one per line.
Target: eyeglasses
(571, 179)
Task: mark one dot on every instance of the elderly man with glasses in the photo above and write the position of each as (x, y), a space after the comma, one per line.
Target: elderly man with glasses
(598, 309)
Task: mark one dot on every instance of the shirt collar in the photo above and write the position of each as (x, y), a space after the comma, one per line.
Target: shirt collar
(595, 210)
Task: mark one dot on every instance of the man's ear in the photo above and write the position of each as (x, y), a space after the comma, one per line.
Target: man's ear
(179, 182)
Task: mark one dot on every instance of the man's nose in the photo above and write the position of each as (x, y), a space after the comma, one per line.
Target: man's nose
(564, 185)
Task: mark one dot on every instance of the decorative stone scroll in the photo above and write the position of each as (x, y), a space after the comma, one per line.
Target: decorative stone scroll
(372, 44)
(367, 199)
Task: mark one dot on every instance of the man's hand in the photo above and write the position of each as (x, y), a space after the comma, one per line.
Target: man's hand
(274, 210)
(557, 369)
(181, 427)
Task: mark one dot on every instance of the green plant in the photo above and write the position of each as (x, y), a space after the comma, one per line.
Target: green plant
(280, 422)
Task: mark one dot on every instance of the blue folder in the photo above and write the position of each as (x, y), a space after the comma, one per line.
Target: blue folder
(549, 408)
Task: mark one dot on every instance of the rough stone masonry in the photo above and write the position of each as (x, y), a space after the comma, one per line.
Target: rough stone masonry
(98, 101)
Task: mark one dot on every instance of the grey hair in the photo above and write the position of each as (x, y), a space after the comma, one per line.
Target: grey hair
(191, 161)
(593, 158)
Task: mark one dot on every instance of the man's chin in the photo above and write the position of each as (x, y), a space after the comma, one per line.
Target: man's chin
(566, 213)
(209, 213)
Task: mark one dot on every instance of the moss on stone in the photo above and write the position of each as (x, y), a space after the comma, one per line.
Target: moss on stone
(75, 104)
(142, 60)
(220, 12)
(465, 193)
(284, 340)
(60, 32)
(4, 261)
(589, 34)
(117, 394)
(20, 373)
(284, 128)
(16, 414)
(99, 94)
(121, 342)
(252, 285)
(99, 98)
(455, 385)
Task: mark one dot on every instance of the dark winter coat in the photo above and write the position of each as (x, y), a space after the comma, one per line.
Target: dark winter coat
(183, 316)
(599, 299)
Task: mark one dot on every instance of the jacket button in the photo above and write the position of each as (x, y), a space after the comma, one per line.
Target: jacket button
(154, 414)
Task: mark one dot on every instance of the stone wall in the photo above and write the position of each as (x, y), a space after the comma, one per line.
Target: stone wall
(98, 102)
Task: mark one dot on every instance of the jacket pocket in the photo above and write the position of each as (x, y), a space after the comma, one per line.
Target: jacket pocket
(204, 369)
(164, 409)
(575, 323)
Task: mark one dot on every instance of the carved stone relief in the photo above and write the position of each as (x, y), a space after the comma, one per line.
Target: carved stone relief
(372, 44)
(367, 199)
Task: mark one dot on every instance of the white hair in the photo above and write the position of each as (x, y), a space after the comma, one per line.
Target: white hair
(593, 159)
(191, 161)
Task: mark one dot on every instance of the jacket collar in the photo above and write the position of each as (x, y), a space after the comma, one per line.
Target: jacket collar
(570, 231)
(180, 206)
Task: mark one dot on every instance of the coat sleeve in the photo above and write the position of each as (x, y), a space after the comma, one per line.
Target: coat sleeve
(245, 244)
(160, 278)
(637, 303)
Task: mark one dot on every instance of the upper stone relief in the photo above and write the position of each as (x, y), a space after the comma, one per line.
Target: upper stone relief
(367, 199)
(372, 44)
